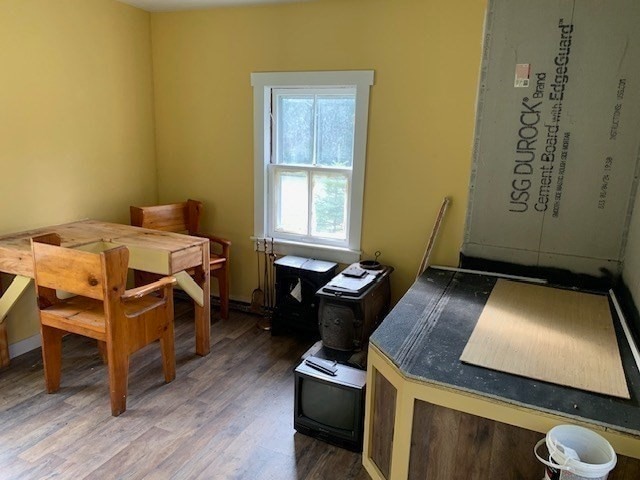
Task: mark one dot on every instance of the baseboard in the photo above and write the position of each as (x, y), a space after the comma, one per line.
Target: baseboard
(240, 304)
(24, 346)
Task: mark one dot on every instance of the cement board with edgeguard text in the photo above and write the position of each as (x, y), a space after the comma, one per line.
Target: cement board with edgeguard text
(557, 134)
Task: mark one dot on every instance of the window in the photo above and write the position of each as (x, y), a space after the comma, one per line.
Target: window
(310, 140)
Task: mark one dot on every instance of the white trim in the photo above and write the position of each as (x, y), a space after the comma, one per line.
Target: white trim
(24, 346)
(263, 83)
(625, 327)
(359, 78)
(541, 281)
(319, 252)
(359, 158)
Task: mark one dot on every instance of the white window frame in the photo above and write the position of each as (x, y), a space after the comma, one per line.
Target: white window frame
(263, 84)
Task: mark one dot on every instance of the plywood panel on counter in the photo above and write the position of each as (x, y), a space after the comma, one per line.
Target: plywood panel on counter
(558, 336)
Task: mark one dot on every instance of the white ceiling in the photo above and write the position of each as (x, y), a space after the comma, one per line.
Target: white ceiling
(173, 5)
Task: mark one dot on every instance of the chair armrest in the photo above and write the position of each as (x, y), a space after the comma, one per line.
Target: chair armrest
(223, 242)
(140, 292)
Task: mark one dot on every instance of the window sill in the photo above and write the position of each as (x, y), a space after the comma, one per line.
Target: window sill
(308, 250)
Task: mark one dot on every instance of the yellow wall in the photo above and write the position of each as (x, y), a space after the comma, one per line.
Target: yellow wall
(426, 57)
(76, 118)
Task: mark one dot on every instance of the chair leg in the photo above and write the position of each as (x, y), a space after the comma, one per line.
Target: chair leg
(102, 349)
(118, 366)
(167, 348)
(51, 356)
(223, 287)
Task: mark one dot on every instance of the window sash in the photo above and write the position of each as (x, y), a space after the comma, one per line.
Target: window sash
(274, 206)
(276, 115)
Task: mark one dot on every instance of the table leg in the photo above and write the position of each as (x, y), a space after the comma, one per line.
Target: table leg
(203, 313)
(4, 345)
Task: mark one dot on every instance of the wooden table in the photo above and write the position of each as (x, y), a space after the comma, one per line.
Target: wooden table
(153, 251)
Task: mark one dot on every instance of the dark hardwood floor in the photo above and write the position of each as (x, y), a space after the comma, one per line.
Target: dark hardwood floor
(226, 416)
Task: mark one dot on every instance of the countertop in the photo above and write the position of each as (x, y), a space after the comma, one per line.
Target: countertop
(425, 334)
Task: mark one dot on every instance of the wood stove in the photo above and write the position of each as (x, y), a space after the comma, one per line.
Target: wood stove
(348, 314)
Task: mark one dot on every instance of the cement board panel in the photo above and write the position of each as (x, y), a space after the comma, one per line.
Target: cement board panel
(557, 133)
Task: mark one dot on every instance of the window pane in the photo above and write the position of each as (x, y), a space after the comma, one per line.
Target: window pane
(292, 210)
(329, 197)
(295, 130)
(336, 120)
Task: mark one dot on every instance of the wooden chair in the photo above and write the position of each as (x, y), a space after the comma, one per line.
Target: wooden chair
(184, 217)
(122, 321)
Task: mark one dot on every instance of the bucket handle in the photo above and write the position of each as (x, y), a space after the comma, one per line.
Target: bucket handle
(558, 466)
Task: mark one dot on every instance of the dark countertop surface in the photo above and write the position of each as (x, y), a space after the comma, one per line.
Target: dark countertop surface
(426, 332)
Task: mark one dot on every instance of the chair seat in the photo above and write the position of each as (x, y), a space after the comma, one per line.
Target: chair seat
(81, 315)
(136, 306)
(85, 316)
(216, 261)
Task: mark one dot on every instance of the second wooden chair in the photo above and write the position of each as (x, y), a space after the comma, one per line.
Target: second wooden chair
(184, 217)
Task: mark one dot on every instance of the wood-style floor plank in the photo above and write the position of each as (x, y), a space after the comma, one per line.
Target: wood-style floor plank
(226, 416)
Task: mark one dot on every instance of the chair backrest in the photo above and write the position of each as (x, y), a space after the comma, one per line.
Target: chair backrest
(174, 217)
(93, 275)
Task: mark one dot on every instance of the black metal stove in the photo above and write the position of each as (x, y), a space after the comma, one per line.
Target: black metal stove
(351, 307)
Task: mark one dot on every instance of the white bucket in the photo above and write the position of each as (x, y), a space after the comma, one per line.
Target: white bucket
(576, 453)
